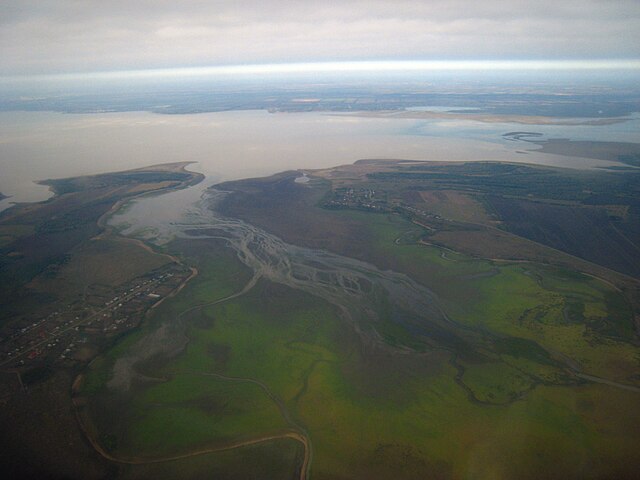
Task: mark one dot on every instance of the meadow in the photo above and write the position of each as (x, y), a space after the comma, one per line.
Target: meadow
(277, 360)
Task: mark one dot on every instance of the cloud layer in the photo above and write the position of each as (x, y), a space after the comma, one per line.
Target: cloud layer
(48, 36)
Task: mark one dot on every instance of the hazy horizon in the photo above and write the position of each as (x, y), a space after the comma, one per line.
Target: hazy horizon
(35, 38)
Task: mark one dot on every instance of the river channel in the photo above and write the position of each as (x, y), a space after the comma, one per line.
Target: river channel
(355, 288)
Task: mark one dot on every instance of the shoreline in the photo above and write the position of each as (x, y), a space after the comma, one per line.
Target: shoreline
(485, 117)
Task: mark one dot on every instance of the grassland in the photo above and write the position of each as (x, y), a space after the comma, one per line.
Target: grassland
(544, 339)
(277, 459)
(410, 411)
(454, 205)
(368, 413)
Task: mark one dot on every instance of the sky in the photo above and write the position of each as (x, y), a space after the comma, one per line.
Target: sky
(71, 36)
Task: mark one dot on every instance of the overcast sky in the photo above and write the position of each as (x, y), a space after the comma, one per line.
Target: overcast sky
(56, 36)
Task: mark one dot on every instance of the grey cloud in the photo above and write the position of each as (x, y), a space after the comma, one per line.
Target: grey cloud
(66, 35)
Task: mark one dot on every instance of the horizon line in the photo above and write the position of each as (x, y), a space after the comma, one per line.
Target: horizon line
(346, 67)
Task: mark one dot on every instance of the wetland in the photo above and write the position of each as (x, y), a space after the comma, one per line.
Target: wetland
(279, 311)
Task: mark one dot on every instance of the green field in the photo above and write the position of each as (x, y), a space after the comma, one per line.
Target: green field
(277, 459)
(277, 360)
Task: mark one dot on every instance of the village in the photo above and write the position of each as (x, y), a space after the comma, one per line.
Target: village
(360, 198)
(372, 200)
(70, 333)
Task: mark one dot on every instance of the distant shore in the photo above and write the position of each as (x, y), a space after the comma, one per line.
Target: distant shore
(486, 117)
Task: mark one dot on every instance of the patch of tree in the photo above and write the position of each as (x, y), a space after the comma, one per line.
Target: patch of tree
(585, 232)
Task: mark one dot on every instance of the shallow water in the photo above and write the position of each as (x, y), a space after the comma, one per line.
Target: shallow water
(238, 144)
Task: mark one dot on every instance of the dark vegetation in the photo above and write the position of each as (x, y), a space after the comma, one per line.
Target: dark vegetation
(592, 215)
(41, 235)
(580, 220)
(40, 435)
(623, 152)
(521, 180)
(40, 438)
(279, 205)
(68, 185)
(588, 233)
